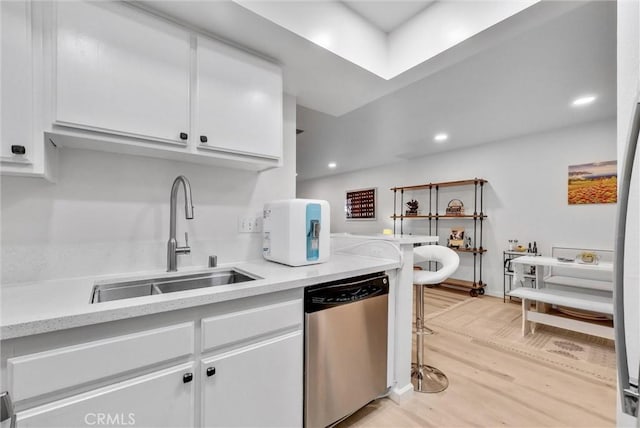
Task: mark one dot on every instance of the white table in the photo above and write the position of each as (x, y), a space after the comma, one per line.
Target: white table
(596, 302)
(546, 262)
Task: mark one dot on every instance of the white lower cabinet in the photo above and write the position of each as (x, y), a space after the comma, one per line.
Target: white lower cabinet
(259, 385)
(161, 399)
(245, 370)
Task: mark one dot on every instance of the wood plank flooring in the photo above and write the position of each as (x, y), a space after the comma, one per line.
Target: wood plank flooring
(490, 386)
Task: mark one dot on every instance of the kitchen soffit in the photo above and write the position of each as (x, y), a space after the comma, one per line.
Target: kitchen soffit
(387, 15)
(420, 33)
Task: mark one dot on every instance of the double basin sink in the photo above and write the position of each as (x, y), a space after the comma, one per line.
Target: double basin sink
(108, 291)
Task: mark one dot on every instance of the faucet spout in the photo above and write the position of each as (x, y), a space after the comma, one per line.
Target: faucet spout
(172, 246)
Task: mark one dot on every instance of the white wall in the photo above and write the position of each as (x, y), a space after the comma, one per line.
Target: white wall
(109, 213)
(525, 199)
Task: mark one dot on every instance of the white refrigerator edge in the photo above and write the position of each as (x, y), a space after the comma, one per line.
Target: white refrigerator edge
(627, 242)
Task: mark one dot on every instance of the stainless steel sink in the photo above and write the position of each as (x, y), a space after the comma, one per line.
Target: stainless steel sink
(105, 292)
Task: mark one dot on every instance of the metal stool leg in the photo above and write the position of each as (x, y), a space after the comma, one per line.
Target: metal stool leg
(420, 314)
(425, 378)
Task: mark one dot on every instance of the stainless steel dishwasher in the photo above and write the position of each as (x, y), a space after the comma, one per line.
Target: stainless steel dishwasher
(345, 347)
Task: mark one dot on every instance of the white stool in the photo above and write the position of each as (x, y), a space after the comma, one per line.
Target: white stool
(427, 378)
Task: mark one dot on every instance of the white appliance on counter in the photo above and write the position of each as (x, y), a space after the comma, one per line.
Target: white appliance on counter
(296, 231)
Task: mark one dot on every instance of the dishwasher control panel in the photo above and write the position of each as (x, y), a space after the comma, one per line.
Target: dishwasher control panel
(345, 291)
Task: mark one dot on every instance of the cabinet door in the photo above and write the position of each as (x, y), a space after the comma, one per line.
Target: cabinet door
(120, 70)
(16, 76)
(239, 101)
(259, 385)
(159, 399)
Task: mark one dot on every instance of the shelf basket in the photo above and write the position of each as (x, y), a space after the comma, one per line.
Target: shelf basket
(455, 207)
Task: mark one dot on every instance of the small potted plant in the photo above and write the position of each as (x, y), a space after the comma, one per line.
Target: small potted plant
(413, 207)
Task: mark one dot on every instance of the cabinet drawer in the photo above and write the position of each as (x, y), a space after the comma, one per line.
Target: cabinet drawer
(49, 371)
(241, 326)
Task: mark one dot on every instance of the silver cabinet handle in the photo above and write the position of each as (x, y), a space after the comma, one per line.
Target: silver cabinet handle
(6, 409)
(628, 393)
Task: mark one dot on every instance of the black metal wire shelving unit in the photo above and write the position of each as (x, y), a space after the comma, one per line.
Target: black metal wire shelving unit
(476, 286)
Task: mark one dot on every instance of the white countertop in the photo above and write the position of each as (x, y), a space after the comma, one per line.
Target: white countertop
(400, 239)
(39, 307)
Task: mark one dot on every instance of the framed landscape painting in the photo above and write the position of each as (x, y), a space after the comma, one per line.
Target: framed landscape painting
(593, 183)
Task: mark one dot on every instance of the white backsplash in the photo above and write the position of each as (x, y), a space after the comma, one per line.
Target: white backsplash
(109, 213)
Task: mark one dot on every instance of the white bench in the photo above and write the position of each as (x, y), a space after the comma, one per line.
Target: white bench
(599, 304)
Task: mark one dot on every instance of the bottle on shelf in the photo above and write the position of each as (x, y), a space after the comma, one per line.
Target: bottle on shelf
(529, 249)
(535, 248)
(513, 245)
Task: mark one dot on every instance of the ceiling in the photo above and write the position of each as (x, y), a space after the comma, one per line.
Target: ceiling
(319, 79)
(512, 78)
(521, 86)
(387, 15)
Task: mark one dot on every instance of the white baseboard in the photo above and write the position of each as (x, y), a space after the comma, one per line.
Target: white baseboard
(493, 293)
(398, 395)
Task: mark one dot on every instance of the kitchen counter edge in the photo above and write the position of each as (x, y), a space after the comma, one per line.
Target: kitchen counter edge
(24, 301)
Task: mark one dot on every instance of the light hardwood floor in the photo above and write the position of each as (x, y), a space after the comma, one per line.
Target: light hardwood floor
(492, 387)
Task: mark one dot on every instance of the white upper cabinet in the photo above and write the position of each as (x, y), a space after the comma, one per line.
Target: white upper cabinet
(110, 76)
(16, 78)
(239, 101)
(24, 150)
(119, 70)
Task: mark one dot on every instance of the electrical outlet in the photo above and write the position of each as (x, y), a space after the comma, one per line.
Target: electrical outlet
(244, 224)
(257, 225)
(249, 224)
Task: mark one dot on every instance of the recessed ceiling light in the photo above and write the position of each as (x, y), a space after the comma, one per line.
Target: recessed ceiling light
(322, 39)
(332, 165)
(583, 101)
(440, 138)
